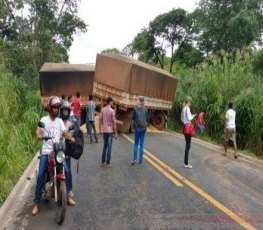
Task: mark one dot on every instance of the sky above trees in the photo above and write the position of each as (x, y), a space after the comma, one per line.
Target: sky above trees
(115, 23)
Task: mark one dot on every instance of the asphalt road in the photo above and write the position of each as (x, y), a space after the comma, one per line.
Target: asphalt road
(218, 193)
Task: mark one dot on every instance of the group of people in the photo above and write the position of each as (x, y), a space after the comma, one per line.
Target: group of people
(229, 128)
(60, 118)
(57, 128)
(108, 126)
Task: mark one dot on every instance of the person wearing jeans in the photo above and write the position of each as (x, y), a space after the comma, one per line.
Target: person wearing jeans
(108, 122)
(187, 117)
(140, 120)
(90, 120)
(139, 138)
(41, 177)
(106, 152)
(55, 128)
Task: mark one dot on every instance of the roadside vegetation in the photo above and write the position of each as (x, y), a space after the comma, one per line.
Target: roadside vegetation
(212, 84)
(31, 33)
(20, 109)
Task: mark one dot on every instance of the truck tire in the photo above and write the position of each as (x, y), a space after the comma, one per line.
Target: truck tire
(127, 121)
(158, 120)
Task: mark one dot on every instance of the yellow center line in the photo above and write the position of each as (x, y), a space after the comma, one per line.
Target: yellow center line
(165, 173)
(201, 192)
(161, 170)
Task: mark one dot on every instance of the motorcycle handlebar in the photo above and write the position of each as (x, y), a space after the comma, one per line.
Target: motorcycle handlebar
(46, 138)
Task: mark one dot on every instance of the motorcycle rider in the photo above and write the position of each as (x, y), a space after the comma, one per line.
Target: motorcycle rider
(56, 129)
(65, 116)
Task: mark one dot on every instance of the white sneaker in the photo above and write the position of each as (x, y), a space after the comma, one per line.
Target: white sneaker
(188, 166)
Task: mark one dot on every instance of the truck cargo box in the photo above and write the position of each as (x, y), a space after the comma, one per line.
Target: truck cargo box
(125, 78)
(58, 78)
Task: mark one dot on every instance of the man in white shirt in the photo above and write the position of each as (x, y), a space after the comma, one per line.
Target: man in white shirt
(230, 128)
(55, 128)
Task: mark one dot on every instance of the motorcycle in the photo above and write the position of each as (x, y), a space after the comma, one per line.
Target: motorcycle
(55, 186)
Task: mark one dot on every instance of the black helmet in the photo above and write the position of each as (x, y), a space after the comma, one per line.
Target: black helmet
(65, 105)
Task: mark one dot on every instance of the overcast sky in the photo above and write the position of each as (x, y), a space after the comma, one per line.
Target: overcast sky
(114, 24)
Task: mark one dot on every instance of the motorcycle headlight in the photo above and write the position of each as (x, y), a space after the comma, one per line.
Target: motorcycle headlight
(60, 157)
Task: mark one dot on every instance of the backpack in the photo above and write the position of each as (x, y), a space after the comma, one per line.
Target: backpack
(140, 117)
(75, 150)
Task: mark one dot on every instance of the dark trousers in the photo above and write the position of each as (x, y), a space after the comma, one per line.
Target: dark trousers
(187, 148)
(107, 139)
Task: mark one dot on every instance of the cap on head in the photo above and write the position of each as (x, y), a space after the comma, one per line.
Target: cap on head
(141, 98)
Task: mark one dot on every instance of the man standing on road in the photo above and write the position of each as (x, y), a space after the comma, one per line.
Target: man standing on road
(140, 120)
(76, 104)
(108, 122)
(230, 128)
(90, 119)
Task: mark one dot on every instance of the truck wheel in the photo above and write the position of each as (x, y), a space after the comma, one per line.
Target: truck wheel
(125, 128)
(158, 120)
(127, 121)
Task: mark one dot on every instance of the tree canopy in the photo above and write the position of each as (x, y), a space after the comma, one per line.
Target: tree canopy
(37, 31)
(228, 25)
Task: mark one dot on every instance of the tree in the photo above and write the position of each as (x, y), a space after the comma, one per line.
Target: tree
(128, 50)
(112, 51)
(10, 21)
(189, 55)
(44, 34)
(148, 48)
(174, 29)
(228, 24)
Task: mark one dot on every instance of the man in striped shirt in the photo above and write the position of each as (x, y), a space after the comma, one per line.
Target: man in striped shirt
(90, 120)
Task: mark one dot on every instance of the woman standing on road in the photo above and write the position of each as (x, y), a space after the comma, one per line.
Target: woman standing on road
(187, 117)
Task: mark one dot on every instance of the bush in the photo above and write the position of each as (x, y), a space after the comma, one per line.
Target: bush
(219, 80)
(20, 109)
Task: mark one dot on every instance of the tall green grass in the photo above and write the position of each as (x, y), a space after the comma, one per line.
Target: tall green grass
(216, 82)
(20, 109)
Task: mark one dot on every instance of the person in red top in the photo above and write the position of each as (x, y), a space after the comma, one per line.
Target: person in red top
(200, 124)
(76, 104)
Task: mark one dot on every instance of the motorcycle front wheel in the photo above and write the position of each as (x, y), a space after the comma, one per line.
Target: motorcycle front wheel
(61, 204)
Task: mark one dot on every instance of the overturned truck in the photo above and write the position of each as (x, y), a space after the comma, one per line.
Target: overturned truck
(120, 77)
(125, 79)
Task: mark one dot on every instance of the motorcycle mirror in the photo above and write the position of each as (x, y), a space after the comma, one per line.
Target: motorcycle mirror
(40, 124)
